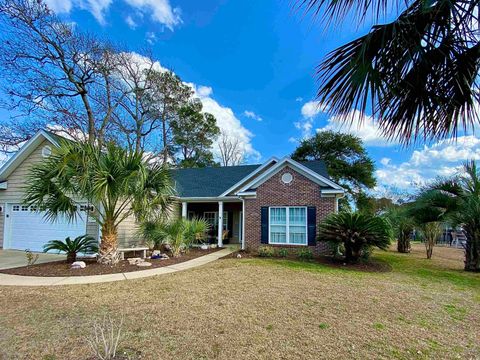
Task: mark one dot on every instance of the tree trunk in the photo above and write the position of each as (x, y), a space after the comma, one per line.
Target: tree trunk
(472, 254)
(403, 244)
(71, 257)
(429, 248)
(108, 246)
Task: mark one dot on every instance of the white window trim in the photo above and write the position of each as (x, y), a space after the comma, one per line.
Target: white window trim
(287, 224)
(225, 218)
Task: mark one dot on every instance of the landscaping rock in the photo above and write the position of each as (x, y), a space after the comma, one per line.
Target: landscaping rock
(78, 265)
(156, 253)
(144, 264)
(134, 261)
(239, 256)
(204, 247)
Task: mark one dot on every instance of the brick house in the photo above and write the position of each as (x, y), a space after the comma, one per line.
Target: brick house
(280, 203)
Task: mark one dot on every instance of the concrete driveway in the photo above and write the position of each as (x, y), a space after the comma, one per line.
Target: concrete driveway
(16, 258)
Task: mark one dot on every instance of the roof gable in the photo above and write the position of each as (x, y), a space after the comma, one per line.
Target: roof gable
(315, 171)
(25, 151)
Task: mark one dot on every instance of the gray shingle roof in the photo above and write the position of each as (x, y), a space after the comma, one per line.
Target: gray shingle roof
(213, 181)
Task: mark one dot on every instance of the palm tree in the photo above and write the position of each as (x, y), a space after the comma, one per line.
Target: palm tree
(457, 201)
(357, 231)
(402, 226)
(417, 74)
(117, 183)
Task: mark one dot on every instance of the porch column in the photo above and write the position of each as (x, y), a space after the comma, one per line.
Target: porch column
(220, 223)
(184, 210)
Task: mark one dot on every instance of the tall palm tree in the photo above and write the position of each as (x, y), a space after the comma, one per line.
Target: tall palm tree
(417, 74)
(117, 183)
(457, 200)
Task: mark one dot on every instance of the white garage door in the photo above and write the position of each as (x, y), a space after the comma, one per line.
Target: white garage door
(28, 229)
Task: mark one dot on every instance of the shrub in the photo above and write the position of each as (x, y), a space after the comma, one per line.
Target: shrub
(196, 230)
(266, 251)
(356, 231)
(31, 257)
(105, 338)
(282, 252)
(150, 231)
(71, 247)
(305, 254)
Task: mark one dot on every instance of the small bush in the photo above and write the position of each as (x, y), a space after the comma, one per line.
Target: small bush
(105, 337)
(366, 252)
(31, 257)
(282, 252)
(305, 254)
(266, 251)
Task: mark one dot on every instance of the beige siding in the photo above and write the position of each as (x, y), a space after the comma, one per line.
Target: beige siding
(16, 185)
(16, 180)
(2, 222)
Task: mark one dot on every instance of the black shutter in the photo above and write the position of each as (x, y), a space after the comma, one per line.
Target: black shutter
(312, 225)
(264, 229)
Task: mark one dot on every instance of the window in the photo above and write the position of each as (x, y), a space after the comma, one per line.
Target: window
(46, 151)
(24, 208)
(288, 225)
(16, 208)
(212, 218)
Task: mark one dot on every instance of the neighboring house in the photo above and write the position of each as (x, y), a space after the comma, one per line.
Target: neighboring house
(280, 203)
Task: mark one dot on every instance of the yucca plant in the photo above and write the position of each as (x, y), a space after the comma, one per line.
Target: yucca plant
(71, 247)
(358, 232)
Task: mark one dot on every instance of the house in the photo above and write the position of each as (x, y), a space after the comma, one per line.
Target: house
(280, 202)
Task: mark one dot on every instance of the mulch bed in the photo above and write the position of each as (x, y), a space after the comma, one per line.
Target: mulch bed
(62, 268)
(368, 266)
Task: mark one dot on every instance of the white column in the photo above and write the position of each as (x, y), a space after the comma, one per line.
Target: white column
(220, 223)
(243, 224)
(184, 210)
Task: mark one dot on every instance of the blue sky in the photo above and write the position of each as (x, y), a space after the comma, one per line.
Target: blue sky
(252, 63)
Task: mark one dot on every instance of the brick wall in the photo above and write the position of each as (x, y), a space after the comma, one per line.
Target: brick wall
(300, 192)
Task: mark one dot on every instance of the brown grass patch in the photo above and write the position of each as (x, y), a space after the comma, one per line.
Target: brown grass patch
(258, 309)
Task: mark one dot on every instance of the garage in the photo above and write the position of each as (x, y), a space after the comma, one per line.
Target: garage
(27, 228)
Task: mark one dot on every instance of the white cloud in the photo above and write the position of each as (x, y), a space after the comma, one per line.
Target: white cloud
(131, 22)
(305, 126)
(312, 108)
(252, 115)
(160, 11)
(204, 91)
(444, 159)
(299, 99)
(358, 124)
(227, 122)
(150, 37)
(385, 161)
(96, 7)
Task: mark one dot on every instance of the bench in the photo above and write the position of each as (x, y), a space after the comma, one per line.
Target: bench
(122, 251)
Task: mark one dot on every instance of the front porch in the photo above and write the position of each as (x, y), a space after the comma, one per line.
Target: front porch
(225, 219)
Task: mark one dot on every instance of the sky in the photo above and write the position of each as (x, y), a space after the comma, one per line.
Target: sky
(252, 63)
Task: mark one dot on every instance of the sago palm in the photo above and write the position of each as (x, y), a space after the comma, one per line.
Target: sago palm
(357, 232)
(117, 183)
(457, 201)
(71, 247)
(417, 74)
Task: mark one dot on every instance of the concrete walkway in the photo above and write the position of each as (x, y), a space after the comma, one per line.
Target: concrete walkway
(16, 258)
(18, 280)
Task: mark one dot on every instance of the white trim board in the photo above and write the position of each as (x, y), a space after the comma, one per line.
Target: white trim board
(286, 161)
(249, 176)
(24, 152)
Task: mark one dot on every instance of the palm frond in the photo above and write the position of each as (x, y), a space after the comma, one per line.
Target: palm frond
(417, 74)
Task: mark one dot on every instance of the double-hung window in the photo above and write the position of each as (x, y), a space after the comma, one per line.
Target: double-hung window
(288, 225)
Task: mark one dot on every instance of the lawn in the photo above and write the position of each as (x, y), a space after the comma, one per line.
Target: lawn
(261, 309)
